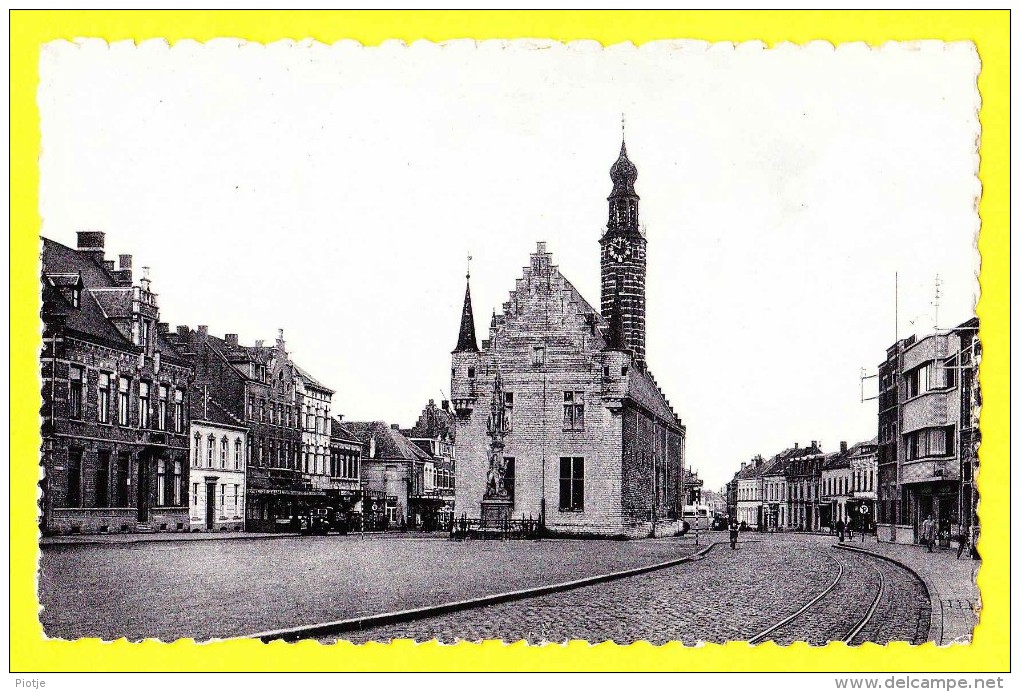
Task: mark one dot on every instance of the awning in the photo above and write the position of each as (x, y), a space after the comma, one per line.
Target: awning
(295, 493)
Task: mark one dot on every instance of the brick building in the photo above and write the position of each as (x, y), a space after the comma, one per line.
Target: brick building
(435, 433)
(115, 398)
(345, 491)
(286, 413)
(928, 434)
(594, 445)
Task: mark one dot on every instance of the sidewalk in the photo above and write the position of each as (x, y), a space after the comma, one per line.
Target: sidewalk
(951, 584)
(119, 538)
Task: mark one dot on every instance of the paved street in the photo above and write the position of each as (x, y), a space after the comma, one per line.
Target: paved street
(729, 595)
(229, 588)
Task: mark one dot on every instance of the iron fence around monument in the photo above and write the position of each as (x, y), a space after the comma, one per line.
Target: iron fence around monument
(507, 529)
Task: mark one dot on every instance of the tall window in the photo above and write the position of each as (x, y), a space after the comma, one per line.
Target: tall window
(262, 409)
(178, 483)
(123, 474)
(179, 410)
(509, 477)
(573, 410)
(571, 484)
(76, 391)
(103, 479)
(123, 400)
(537, 356)
(104, 397)
(224, 450)
(237, 454)
(223, 498)
(198, 450)
(161, 411)
(194, 494)
(143, 404)
(210, 452)
(161, 497)
(73, 478)
(237, 497)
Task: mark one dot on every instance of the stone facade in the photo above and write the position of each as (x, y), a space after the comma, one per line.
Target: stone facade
(594, 446)
(115, 398)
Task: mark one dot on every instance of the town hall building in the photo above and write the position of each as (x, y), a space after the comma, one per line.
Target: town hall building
(593, 446)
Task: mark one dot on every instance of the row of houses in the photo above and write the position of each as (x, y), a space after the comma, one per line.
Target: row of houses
(923, 461)
(148, 429)
(805, 489)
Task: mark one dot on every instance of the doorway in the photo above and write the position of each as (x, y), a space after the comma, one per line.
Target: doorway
(143, 487)
(210, 504)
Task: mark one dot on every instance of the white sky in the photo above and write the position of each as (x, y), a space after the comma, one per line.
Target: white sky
(335, 192)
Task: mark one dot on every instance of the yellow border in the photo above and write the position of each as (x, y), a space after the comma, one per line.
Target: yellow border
(988, 29)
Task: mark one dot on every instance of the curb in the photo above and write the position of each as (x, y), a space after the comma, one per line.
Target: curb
(935, 626)
(367, 621)
(168, 538)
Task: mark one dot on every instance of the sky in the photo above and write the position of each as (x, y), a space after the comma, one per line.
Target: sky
(336, 191)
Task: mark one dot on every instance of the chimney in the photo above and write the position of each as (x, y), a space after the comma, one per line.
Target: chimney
(145, 279)
(92, 242)
(203, 332)
(125, 261)
(280, 343)
(395, 426)
(123, 273)
(184, 331)
(108, 265)
(796, 445)
(842, 446)
(814, 443)
(163, 327)
(231, 339)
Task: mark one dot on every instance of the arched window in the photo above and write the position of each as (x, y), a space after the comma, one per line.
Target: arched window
(210, 453)
(198, 450)
(224, 450)
(237, 454)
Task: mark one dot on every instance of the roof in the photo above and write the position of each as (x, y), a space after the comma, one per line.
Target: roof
(102, 298)
(466, 340)
(216, 413)
(389, 443)
(434, 423)
(309, 379)
(642, 390)
(340, 433)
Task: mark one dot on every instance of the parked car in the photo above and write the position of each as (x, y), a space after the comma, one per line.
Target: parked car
(315, 522)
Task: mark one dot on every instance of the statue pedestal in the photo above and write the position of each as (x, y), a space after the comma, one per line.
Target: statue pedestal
(496, 512)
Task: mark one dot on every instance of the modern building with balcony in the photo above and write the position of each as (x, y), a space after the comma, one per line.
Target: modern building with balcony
(928, 436)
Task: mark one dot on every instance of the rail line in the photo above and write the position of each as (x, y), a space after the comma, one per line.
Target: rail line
(764, 635)
(854, 630)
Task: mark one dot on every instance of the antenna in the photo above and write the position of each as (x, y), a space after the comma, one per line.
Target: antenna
(935, 303)
(468, 267)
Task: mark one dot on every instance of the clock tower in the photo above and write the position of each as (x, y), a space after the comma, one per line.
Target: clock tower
(623, 259)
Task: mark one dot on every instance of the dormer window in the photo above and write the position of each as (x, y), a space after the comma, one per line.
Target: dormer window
(76, 297)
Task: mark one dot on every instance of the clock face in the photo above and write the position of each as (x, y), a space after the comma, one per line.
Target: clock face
(619, 249)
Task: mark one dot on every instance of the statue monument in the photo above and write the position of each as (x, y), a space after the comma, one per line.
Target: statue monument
(497, 507)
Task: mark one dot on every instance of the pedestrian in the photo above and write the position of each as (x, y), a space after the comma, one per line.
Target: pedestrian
(961, 536)
(734, 532)
(850, 528)
(928, 533)
(840, 527)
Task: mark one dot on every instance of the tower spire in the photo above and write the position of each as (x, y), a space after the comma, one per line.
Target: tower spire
(466, 340)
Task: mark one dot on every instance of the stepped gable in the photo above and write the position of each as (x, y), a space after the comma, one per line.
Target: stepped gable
(101, 299)
(434, 423)
(573, 303)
